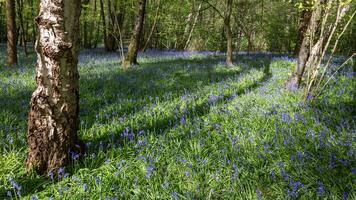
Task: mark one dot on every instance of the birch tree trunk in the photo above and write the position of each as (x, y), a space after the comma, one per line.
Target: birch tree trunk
(53, 117)
(131, 57)
(227, 24)
(11, 32)
(193, 27)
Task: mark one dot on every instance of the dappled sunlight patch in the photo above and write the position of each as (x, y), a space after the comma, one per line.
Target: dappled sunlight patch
(188, 126)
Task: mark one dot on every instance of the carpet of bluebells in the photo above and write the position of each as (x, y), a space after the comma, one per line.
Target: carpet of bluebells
(182, 125)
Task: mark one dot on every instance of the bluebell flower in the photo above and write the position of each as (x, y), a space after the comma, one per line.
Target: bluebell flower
(320, 190)
(15, 184)
(182, 121)
(353, 171)
(149, 170)
(280, 164)
(273, 175)
(213, 98)
(165, 185)
(61, 171)
(98, 179)
(344, 196)
(85, 187)
(120, 164)
(258, 194)
(142, 142)
(33, 198)
(50, 175)
(175, 195)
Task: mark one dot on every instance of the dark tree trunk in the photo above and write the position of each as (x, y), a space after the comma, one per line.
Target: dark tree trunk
(53, 117)
(102, 13)
(110, 39)
(304, 20)
(131, 57)
(227, 24)
(11, 32)
(22, 27)
(295, 80)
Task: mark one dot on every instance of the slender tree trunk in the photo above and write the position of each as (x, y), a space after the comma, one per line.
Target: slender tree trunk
(184, 36)
(193, 27)
(227, 24)
(131, 57)
(153, 26)
(53, 117)
(305, 49)
(11, 32)
(110, 39)
(22, 26)
(102, 13)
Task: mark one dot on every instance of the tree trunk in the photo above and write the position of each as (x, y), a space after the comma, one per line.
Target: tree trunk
(294, 81)
(22, 26)
(153, 26)
(227, 24)
(102, 13)
(188, 24)
(53, 117)
(110, 39)
(11, 32)
(193, 27)
(303, 27)
(131, 57)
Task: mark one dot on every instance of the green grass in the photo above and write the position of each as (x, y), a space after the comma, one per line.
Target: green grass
(195, 129)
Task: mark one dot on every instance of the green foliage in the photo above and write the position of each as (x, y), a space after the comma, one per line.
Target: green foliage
(189, 127)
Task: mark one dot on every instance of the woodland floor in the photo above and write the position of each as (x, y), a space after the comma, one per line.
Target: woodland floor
(184, 126)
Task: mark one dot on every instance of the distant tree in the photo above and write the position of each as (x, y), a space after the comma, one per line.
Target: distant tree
(23, 40)
(131, 57)
(54, 108)
(153, 26)
(227, 24)
(11, 32)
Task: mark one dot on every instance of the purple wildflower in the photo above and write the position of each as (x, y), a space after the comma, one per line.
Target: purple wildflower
(258, 194)
(353, 171)
(182, 121)
(320, 190)
(175, 195)
(149, 170)
(50, 175)
(120, 164)
(213, 98)
(344, 196)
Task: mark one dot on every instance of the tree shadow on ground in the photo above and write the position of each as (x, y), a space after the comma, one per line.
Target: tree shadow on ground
(190, 74)
(208, 74)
